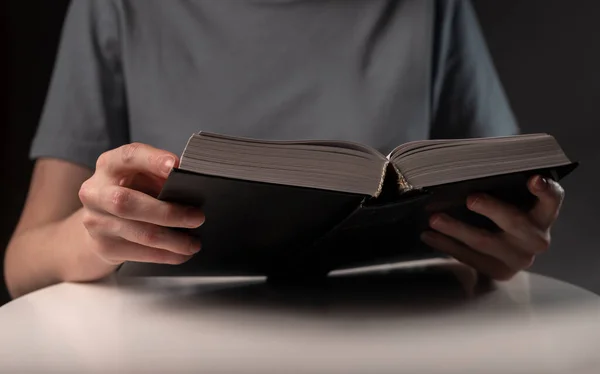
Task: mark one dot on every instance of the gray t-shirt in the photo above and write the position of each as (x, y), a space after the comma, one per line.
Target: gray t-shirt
(380, 72)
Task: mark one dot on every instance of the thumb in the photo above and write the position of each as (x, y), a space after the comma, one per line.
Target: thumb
(550, 198)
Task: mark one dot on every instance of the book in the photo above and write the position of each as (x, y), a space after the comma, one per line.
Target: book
(291, 208)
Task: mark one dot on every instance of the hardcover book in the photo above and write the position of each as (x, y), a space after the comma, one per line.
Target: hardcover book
(294, 208)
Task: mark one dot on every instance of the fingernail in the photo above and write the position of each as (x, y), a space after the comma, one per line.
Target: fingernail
(195, 247)
(540, 183)
(473, 200)
(167, 165)
(436, 220)
(194, 218)
(427, 236)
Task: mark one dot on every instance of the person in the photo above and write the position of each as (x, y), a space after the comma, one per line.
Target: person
(134, 79)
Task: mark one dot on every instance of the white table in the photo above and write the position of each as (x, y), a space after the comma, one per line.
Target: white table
(404, 319)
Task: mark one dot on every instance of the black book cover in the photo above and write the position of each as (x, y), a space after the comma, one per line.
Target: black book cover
(255, 228)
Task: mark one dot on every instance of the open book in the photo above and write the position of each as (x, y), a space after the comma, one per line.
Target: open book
(356, 168)
(273, 205)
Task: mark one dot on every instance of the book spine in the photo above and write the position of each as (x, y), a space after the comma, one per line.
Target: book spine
(402, 182)
(382, 180)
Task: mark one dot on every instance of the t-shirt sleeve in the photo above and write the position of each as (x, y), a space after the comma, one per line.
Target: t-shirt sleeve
(84, 114)
(468, 98)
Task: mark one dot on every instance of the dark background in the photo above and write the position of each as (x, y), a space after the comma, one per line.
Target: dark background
(546, 52)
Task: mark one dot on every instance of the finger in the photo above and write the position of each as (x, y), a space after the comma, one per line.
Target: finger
(482, 241)
(508, 217)
(118, 251)
(136, 158)
(143, 233)
(155, 236)
(550, 198)
(146, 183)
(135, 205)
(486, 265)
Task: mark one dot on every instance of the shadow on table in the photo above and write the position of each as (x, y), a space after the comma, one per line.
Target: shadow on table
(372, 294)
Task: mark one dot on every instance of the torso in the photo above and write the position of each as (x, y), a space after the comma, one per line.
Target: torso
(281, 69)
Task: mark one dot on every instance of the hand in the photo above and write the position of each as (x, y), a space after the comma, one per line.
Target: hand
(523, 236)
(124, 219)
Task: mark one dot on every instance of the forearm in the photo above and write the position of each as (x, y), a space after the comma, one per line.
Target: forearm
(52, 253)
